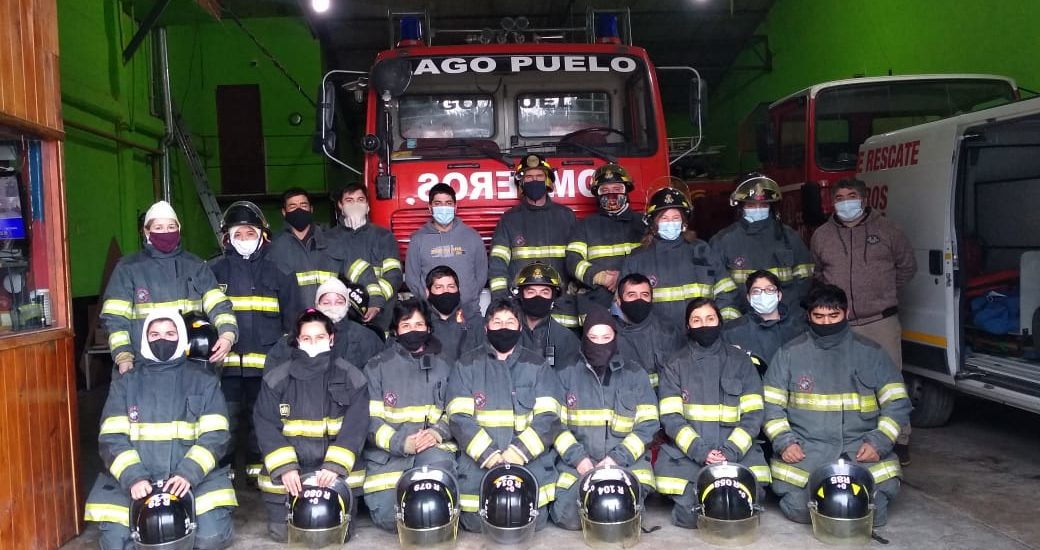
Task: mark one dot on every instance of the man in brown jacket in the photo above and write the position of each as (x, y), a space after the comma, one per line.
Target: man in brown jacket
(866, 255)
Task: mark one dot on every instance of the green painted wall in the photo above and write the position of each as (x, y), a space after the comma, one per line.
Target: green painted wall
(819, 40)
(109, 185)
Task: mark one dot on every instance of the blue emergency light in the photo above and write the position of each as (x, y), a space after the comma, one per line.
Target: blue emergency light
(411, 32)
(607, 29)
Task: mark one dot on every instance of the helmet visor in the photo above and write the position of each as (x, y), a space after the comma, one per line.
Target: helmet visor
(624, 534)
(437, 538)
(313, 539)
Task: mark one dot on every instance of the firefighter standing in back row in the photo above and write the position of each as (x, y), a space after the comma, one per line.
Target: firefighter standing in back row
(758, 240)
(601, 241)
(536, 229)
(265, 301)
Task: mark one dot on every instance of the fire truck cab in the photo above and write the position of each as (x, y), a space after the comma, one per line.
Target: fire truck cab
(965, 191)
(465, 114)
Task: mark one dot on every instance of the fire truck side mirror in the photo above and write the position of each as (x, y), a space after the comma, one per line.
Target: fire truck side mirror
(325, 138)
(698, 101)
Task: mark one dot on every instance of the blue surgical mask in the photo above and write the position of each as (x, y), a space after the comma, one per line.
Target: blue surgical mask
(764, 304)
(669, 231)
(443, 214)
(849, 210)
(753, 215)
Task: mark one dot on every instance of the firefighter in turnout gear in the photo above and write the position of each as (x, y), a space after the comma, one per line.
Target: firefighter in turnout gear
(407, 385)
(758, 240)
(831, 392)
(264, 299)
(600, 242)
(609, 417)
(456, 331)
(680, 266)
(311, 416)
(305, 251)
(354, 342)
(537, 229)
(711, 407)
(643, 339)
(165, 420)
(161, 276)
(538, 288)
(503, 406)
(356, 237)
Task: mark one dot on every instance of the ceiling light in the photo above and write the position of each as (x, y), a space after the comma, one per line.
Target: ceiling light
(320, 6)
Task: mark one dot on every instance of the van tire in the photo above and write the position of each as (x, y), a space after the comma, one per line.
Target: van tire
(933, 402)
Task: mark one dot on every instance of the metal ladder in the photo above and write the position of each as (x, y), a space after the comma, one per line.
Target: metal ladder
(198, 174)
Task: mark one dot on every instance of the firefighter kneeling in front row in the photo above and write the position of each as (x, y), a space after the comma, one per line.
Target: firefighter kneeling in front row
(609, 419)
(503, 406)
(831, 392)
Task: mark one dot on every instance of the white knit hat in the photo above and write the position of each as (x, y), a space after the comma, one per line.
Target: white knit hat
(160, 210)
(332, 285)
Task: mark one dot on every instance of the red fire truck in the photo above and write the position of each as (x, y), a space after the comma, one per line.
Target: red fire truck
(465, 114)
(813, 136)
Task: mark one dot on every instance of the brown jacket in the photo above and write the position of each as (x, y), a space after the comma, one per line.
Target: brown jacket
(870, 261)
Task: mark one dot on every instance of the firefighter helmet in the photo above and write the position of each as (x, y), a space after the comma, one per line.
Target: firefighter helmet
(754, 186)
(243, 213)
(163, 521)
(665, 198)
(509, 504)
(427, 508)
(611, 173)
(202, 335)
(357, 301)
(533, 161)
(319, 516)
(538, 273)
(841, 503)
(609, 506)
(727, 511)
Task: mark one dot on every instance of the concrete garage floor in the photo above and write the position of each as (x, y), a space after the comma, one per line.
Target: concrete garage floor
(974, 483)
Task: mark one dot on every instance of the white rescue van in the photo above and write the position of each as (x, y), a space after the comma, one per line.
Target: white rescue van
(966, 191)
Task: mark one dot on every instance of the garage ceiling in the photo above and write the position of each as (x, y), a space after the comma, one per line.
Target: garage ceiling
(705, 34)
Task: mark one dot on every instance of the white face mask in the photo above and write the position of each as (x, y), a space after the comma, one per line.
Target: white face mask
(315, 349)
(764, 304)
(849, 210)
(246, 248)
(756, 214)
(336, 313)
(355, 215)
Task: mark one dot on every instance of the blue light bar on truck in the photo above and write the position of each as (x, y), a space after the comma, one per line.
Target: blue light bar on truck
(607, 29)
(411, 32)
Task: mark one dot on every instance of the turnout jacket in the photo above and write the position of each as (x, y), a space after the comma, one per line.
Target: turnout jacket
(549, 332)
(527, 233)
(496, 405)
(312, 413)
(767, 244)
(265, 301)
(601, 242)
(830, 394)
(679, 272)
(377, 247)
(149, 280)
(405, 394)
(648, 344)
(162, 419)
(353, 341)
(314, 260)
(458, 333)
(870, 261)
(615, 417)
(762, 338)
(711, 398)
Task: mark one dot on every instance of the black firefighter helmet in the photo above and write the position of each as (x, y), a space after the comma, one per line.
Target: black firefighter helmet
(609, 505)
(244, 213)
(202, 335)
(319, 516)
(754, 186)
(163, 520)
(509, 504)
(611, 173)
(532, 161)
(538, 273)
(666, 198)
(427, 508)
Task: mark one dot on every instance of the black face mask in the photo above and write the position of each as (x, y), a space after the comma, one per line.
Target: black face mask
(503, 339)
(620, 203)
(163, 349)
(300, 219)
(444, 303)
(828, 330)
(537, 306)
(535, 190)
(414, 340)
(636, 310)
(705, 336)
(598, 355)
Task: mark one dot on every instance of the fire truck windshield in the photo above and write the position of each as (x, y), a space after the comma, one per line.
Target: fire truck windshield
(847, 115)
(563, 105)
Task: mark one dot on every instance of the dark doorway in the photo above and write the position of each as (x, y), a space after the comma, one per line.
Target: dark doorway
(240, 132)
